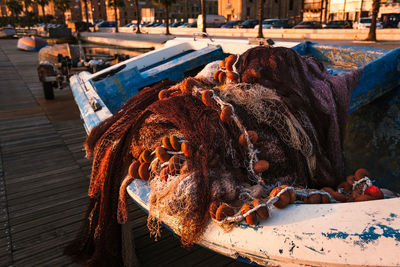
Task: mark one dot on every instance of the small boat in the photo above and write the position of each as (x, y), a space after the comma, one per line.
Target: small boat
(356, 234)
(32, 43)
(7, 32)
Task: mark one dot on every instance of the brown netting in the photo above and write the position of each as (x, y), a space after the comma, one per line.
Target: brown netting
(291, 102)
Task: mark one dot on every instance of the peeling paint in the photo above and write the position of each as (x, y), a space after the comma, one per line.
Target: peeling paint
(313, 249)
(369, 234)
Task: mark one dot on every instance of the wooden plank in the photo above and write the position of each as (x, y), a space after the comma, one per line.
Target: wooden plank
(27, 217)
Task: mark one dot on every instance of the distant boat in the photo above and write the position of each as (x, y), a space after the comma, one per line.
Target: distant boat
(32, 43)
(7, 32)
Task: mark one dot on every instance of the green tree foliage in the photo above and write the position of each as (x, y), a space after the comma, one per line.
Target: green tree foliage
(165, 4)
(116, 4)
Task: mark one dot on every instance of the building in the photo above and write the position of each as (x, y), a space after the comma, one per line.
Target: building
(349, 9)
(354, 9)
(248, 9)
(317, 10)
(180, 11)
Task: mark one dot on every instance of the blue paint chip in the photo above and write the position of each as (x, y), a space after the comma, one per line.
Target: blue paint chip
(369, 234)
(341, 235)
(393, 215)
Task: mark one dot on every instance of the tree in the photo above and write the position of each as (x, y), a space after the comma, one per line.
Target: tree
(62, 5)
(260, 18)
(28, 15)
(372, 30)
(87, 11)
(302, 10)
(203, 15)
(15, 6)
(116, 4)
(138, 16)
(165, 4)
(43, 3)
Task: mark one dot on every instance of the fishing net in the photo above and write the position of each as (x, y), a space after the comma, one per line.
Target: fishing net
(266, 117)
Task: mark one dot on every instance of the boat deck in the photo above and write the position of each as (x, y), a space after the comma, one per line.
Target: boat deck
(44, 177)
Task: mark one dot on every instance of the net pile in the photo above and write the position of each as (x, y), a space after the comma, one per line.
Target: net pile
(268, 116)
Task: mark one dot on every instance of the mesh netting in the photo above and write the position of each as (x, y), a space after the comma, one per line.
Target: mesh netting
(199, 142)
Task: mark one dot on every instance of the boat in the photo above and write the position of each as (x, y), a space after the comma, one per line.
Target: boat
(7, 32)
(354, 234)
(32, 43)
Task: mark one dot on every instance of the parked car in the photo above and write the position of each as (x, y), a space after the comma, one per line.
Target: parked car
(267, 23)
(176, 24)
(212, 21)
(105, 24)
(308, 25)
(365, 23)
(337, 24)
(284, 24)
(390, 20)
(231, 24)
(248, 24)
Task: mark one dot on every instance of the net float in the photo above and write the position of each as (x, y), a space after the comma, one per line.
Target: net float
(206, 97)
(350, 179)
(222, 77)
(338, 196)
(262, 212)
(325, 199)
(261, 166)
(226, 114)
(253, 136)
(163, 94)
(156, 166)
(174, 164)
(251, 219)
(223, 211)
(187, 149)
(361, 173)
(229, 61)
(292, 196)
(164, 174)
(146, 156)
(166, 144)
(234, 77)
(221, 64)
(291, 193)
(284, 199)
(144, 171)
(216, 75)
(328, 189)
(314, 199)
(174, 141)
(374, 192)
(213, 209)
(133, 169)
(363, 198)
(162, 155)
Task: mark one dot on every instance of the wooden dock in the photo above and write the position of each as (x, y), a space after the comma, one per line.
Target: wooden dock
(44, 177)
